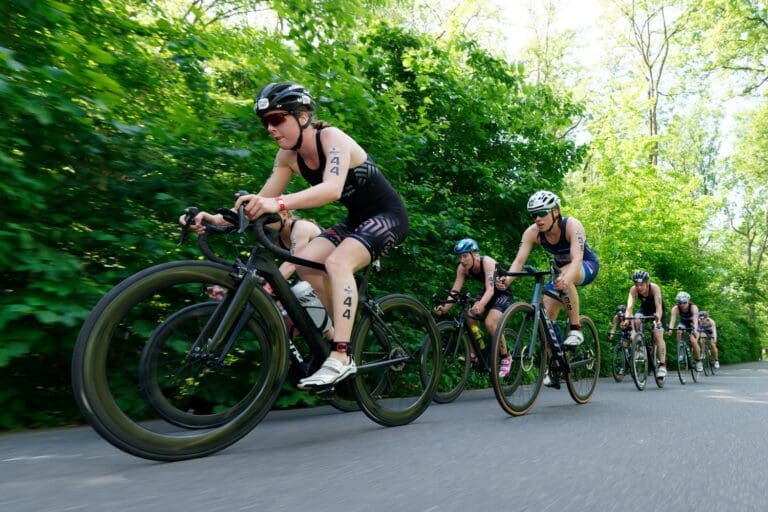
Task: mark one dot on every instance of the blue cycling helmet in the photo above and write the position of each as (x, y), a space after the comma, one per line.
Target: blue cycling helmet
(703, 314)
(621, 309)
(465, 245)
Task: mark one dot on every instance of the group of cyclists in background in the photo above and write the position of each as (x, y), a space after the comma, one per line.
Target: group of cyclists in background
(337, 168)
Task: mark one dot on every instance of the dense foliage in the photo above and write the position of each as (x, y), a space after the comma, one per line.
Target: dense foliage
(114, 116)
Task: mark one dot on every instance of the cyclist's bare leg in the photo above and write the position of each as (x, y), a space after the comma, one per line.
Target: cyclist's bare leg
(570, 296)
(714, 347)
(341, 266)
(552, 307)
(661, 347)
(317, 249)
(471, 322)
(491, 322)
(695, 346)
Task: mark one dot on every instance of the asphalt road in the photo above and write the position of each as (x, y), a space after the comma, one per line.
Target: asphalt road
(699, 447)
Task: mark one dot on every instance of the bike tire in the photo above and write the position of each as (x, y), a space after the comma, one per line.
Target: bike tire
(694, 373)
(584, 364)
(682, 363)
(711, 359)
(343, 398)
(456, 362)
(618, 362)
(108, 350)
(518, 391)
(166, 374)
(704, 357)
(398, 356)
(639, 361)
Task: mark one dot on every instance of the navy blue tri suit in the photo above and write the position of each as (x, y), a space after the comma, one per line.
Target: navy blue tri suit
(562, 252)
(500, 299)
(376, 215)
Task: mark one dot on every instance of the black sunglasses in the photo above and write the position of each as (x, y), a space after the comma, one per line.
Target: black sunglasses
(539, 214)
(275, 119)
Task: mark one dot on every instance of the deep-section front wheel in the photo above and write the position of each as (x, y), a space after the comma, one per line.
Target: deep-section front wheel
(639, 361)
(682, 363)
(456, 362)
(397, 352)
(584, 364)
(523, 336)
(201, 392)
(106, 362)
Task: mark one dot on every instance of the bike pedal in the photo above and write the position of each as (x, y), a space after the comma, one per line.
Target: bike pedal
(322, 390)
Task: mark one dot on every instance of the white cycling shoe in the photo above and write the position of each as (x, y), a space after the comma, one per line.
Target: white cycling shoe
(331, 372)
(574, 339)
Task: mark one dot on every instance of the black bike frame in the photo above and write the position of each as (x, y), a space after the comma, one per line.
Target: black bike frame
(261, 264)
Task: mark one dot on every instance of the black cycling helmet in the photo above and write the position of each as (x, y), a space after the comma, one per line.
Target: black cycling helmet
(621, 309)
(288, 96)
(641, 276)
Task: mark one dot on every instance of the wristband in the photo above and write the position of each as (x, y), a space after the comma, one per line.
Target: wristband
(280, 203)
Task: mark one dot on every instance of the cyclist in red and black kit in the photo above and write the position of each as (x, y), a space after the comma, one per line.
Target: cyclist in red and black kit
(337, 169)
(651, 304)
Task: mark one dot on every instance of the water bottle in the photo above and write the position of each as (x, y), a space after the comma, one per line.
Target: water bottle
(309, 301)
(475, 330)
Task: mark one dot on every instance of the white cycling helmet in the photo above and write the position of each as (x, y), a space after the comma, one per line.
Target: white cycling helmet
(543, 200)
(683, 298)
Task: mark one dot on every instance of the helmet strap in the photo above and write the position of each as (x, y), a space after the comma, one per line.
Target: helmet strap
(554, 221)
(302, 127)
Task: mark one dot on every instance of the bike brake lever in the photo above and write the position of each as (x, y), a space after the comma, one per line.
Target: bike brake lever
(229, 216)
(190, 213)
(242, 220)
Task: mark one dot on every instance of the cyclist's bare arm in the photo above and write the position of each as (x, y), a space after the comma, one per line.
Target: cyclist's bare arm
(282, 172)
(528, 240)
(630, 303)
(614, 323)
(458, 283)
(656, 291)
(489, 271)
(338, 156)
(695, 313)
(574, 233)
(672, 318)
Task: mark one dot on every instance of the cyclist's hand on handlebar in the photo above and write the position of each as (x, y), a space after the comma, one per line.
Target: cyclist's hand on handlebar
(256, 206)
(502, 283)
(561, 283)
(203, 217)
